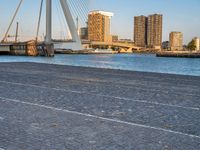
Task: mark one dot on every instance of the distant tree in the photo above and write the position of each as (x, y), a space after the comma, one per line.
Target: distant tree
(113, 48)
(191, 45)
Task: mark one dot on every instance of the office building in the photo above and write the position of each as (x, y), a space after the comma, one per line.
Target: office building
(148, 31)
(140, 31)
(83, 33)
(176, 41)
(154, 31)
(99, 26)
(115, 38)
(165, 45)
(197, 43)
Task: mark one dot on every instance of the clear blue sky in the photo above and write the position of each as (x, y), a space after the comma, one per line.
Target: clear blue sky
(179, 15)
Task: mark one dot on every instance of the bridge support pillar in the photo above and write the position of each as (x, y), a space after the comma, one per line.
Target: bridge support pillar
(49, 50)
(48, 39)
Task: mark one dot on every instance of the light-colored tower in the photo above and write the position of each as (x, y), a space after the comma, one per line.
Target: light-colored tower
(140, 31)
(176, 41)
(154, 31)
(197, 43)
(99, 26)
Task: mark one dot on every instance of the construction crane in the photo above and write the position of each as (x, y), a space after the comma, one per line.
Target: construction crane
(12, 20)
(16, 34)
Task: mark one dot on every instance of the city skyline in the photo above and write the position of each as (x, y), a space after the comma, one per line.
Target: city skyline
(175, 16)
(148, 31)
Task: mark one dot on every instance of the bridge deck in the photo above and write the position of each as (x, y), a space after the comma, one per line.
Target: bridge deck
(62, 107)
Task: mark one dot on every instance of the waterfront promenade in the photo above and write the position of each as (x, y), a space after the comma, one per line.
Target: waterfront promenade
(45, 106)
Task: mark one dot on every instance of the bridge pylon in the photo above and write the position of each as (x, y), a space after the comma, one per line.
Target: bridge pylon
(48, 38)
(76, 42)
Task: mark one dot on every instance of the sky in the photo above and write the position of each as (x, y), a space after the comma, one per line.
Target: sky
(178, 15)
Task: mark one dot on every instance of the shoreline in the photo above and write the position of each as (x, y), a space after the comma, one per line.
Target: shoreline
(127, 61)
(183, 54)
(101, 69)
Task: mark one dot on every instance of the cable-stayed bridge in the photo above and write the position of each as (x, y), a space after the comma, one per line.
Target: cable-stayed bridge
(71, 14)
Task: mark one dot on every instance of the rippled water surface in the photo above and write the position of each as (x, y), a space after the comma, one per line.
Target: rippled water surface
(133, 62)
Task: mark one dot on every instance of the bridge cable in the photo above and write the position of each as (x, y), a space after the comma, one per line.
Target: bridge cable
(83, 10)
(85, 7)
(75, 6)
(39, 20)
(73, 10)
(12, 20)
(59, 18)
(63, 19)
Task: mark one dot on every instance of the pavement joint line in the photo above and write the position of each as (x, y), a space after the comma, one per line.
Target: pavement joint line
(104, 73)
(101, 118)
(101, 82)
(114, 97)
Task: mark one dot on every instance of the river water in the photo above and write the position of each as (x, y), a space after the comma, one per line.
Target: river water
(133, 62)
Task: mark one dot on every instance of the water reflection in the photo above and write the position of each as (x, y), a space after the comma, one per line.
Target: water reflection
(133, 62)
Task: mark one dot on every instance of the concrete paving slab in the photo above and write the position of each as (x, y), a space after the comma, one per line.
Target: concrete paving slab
(46, 106)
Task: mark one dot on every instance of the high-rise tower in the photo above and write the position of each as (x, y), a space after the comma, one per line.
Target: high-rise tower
(154, 31)
(176, 41)
(140, 31)
(99, 26)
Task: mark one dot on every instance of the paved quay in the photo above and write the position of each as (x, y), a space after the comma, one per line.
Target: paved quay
(55, 107)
